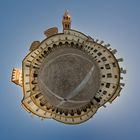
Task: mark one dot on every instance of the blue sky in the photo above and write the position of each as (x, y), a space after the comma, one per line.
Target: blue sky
(115, 21)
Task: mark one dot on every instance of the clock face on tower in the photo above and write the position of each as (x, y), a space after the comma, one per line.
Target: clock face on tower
(68, 76)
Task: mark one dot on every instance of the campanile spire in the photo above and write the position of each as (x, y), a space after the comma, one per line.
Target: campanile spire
(66, 21)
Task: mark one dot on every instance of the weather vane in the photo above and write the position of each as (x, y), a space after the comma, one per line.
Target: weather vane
(68, 76)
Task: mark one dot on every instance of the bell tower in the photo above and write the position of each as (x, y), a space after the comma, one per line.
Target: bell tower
(66, 21)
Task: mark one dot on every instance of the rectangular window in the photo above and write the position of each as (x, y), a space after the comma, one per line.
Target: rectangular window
(103, 58)
(114, 64)
(35, 75)
(104, 92)
(95, 50)
(99, 53)
(107, 85)
(109, 75)
(107, 66)
(27, 65)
